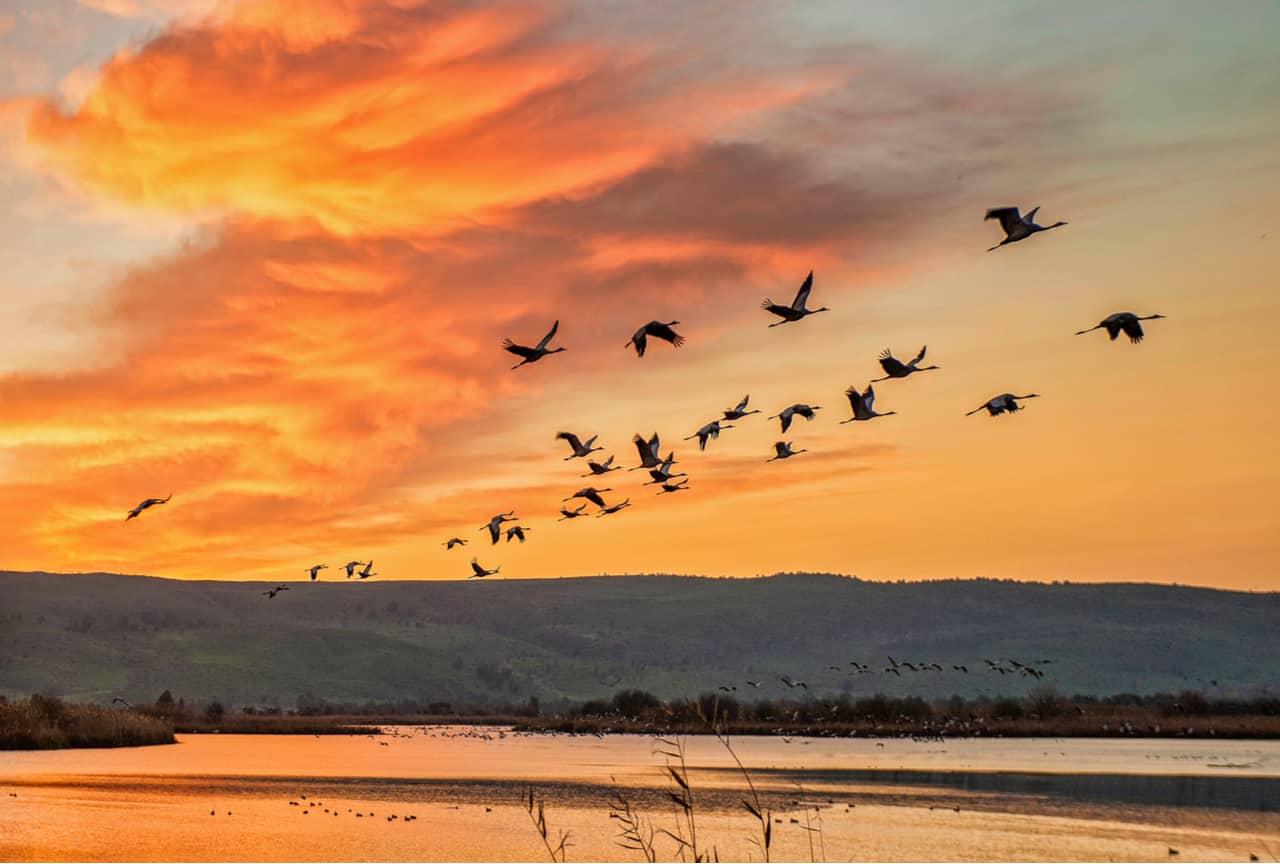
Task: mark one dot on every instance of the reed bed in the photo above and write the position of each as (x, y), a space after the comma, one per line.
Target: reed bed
(49, 723)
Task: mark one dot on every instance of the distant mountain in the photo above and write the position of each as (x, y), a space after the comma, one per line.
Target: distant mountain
(501, 641)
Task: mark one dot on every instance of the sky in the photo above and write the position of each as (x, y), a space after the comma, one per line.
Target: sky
(262, 256)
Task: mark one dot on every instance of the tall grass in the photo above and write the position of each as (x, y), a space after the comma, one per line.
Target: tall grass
(538, 813)
(49, 723)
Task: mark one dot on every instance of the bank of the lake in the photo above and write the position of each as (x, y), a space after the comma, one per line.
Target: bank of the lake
(49, 723)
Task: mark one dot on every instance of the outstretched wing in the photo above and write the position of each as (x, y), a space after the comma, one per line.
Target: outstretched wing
(550, 335)
(640, 340)
(869, 398)
(476, 568)
(519, 350)
(802, 296)
(1008, 216)
(662, 331)
(1133, 329)
(855, 398)
(769, 306)
(920, 356)
(642, 447)
(574, 441)
(742, 406)
(890, 364)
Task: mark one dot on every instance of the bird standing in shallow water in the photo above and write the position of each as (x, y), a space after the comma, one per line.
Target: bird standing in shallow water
(796, 310)
(146, 505)
(895, 368)
(863, 405)
(1125, 322)
(1005, 402)
(657, 330)
(1016, 226)
(536, 353)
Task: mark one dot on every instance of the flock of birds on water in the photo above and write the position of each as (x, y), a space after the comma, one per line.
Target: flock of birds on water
(660, 469)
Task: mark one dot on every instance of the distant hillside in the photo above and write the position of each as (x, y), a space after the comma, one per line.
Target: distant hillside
(495, 642)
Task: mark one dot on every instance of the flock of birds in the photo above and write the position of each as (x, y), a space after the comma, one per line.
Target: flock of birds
(1003, 666)
(660, 469)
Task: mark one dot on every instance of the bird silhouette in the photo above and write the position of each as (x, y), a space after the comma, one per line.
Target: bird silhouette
(799, 409)
(797, 309)
(1125, 322)
(591, 494)
(595, 469)
(454, 541)
(351, 566)
(662, 472)
(494, 526)
(657, 330)
(709, 432)
(740, 410)
(863, 405)
(895, 368)
(478, 572)
(271, 593)
(517, 531)
(580, 448)
(782, 450)
(678, 486)
(315, 570)
(1016, 226)
(1005, 402)
(648, 450)
(536, 353)
(605, 511)
(566, 513)
(367, 572)
(146, 505)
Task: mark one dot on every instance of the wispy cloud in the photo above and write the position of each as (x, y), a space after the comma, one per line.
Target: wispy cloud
(399, 186)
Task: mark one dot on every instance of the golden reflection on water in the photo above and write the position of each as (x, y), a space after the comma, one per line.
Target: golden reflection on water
(228, 798)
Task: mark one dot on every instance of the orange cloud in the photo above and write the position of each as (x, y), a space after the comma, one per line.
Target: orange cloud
(403, 185)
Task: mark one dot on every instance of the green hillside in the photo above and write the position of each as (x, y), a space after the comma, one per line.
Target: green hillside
(486, 643)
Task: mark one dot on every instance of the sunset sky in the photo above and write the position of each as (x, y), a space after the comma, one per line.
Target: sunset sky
(262, 255)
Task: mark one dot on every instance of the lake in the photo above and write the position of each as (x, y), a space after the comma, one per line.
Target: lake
(274, 798)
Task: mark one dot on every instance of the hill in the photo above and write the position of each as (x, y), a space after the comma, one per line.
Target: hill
(473, 644)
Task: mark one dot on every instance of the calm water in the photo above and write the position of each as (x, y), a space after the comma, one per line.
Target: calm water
(227, 797)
